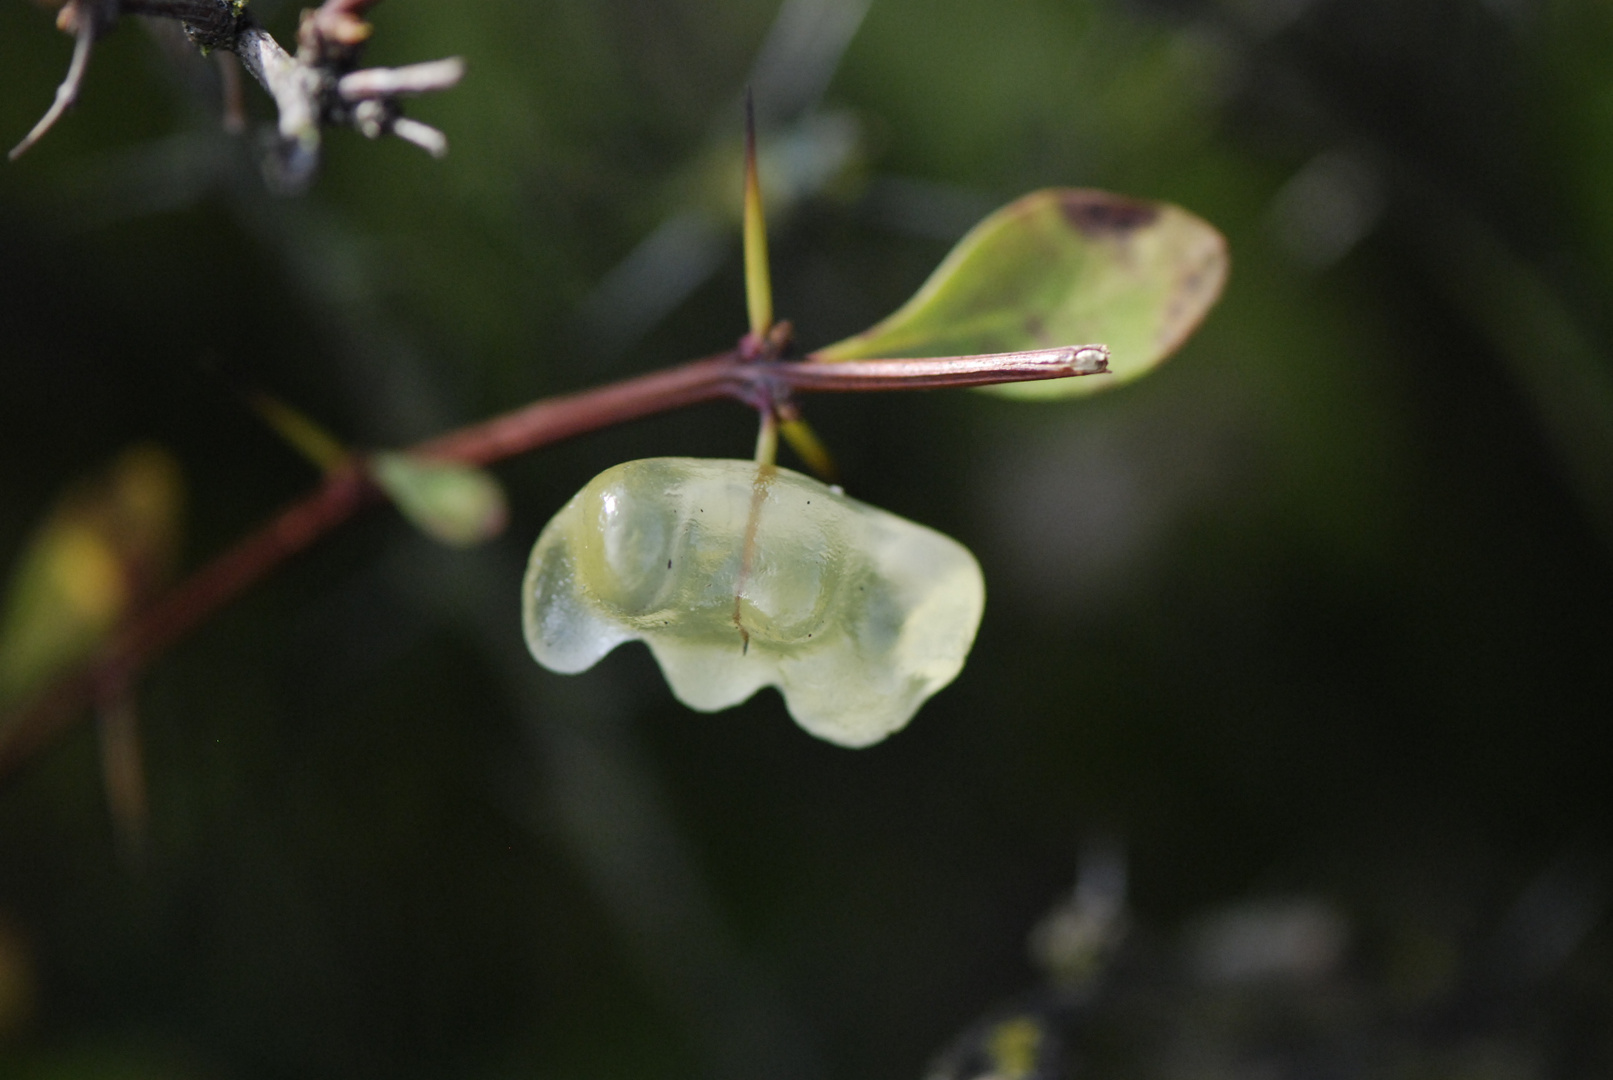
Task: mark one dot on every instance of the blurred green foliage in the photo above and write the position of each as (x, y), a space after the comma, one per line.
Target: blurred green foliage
(1323, 605)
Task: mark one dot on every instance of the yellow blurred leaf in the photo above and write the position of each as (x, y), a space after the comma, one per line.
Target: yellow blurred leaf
(107, 544)
(17, 979)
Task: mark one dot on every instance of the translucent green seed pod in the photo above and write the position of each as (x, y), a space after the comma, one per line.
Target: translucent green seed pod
(739, 576)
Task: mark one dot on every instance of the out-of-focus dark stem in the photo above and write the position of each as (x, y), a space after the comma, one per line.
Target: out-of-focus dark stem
(202, 12)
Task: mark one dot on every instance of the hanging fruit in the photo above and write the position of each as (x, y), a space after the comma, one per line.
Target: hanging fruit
(739, 576)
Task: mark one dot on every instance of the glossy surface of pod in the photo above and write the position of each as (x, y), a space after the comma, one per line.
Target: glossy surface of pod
(739, 576)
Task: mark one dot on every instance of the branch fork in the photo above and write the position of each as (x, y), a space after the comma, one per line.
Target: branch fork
(766, 383)
(320, 86)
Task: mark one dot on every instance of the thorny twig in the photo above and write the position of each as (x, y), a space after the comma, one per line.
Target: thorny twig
(320, 86)
(751, 373)
(85, 22)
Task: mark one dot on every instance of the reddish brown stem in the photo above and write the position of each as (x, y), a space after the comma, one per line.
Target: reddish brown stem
(761, 383)
(936, 372)
(554, 419)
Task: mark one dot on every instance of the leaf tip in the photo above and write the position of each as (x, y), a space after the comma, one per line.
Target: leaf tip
(454, 504)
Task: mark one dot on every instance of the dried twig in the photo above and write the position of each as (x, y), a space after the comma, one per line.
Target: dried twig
(320, 86)
(86, 23)
(229, 76)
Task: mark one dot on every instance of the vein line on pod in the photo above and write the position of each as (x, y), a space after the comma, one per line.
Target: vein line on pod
(856, 615)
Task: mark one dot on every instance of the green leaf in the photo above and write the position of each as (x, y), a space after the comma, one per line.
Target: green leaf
(1063, 266)
(458, 505)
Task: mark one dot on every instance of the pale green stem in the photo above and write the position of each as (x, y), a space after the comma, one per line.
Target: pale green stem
(767, 439)
(758, 279)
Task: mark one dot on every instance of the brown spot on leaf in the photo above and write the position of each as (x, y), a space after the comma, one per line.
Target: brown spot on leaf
(1203, 276)
(1098, 213)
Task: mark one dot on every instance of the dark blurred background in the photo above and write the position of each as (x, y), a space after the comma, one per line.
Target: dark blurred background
(1316, 622)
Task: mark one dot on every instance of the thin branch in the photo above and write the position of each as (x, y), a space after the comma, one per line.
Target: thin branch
(123, 772)
(933, 373)
(553, 419)
(347, 489)
(319, 87)
(229, 77)
(395, 82)
(424, 136)
(207, 14)
(340, 23)
(295, 91)
(67, 92)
